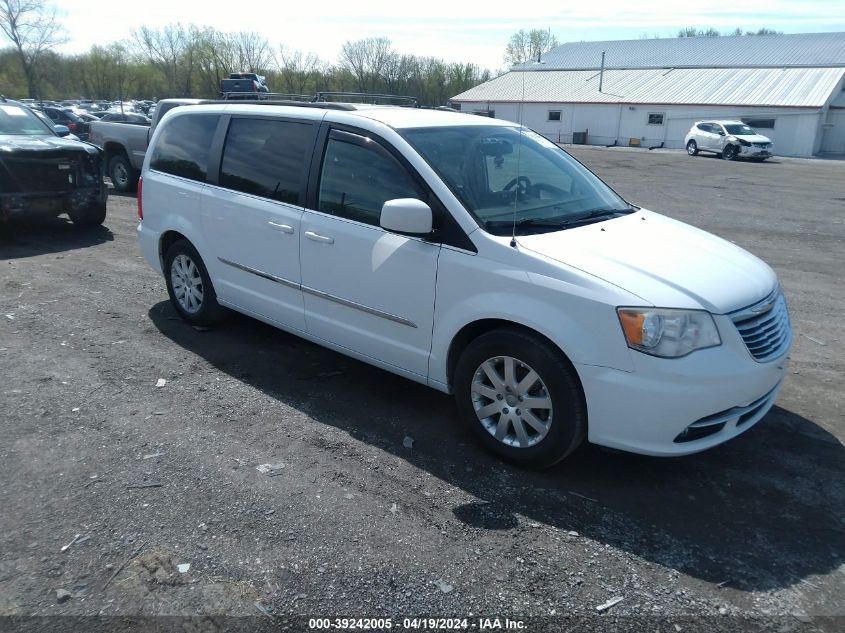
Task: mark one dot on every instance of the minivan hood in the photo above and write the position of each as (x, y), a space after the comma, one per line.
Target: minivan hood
(666, 263)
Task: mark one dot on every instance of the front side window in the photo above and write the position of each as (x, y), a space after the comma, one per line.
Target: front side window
(740, 129)
(504, 175)
(266, 158)
(19, 121)
(183, 146)
(357, 180)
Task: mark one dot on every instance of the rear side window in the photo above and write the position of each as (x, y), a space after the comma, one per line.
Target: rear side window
(183, 146)
(267, 158)
(704, 127)
(356, 181)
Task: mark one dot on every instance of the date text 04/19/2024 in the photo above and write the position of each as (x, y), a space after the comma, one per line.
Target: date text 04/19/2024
(414, 624)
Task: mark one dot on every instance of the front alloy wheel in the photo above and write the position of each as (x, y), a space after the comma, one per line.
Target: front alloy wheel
(512, 402)
(729, 153)
(521, 397)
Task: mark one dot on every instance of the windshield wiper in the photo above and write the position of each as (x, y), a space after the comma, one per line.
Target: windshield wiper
(593, 214)
(541, 222)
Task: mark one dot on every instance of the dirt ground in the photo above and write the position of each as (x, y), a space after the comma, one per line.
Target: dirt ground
(349, 521)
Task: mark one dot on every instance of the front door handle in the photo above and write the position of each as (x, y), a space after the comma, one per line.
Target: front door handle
(284, 228)
(316, 237)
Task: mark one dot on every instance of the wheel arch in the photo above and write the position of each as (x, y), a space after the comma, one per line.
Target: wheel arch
(112, 149)
(166, 240)
(474, 329)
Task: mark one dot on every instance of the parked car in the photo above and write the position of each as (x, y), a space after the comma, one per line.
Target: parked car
(125, 145)
(42, 174)
(59, 130)
(729, 139)
(66, 116)
(473, 256)
(128, 117)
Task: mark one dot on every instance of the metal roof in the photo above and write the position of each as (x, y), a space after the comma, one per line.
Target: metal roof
(760, 51)
(795, 87)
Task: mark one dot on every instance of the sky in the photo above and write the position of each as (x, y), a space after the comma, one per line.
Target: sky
(459, 31)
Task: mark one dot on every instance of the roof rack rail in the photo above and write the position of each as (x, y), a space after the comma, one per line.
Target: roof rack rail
(264, 96)
(284, 102)
(322, 97)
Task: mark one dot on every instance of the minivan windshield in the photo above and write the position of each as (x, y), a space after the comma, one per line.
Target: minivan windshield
(738, 129)
(511, 177)
(16, 120)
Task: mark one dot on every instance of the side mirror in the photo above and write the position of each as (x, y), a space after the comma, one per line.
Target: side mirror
(407, 216)
(61, 130)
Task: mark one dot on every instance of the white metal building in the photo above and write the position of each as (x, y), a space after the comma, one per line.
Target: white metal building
(790, 87)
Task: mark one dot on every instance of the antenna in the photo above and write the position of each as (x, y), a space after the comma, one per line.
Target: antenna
(518, 157)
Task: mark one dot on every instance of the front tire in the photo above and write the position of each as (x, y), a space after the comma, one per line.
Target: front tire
(692, 148)
(89, 216)
(189, 285)
(729, 153)
(521, 397)
(123, 177)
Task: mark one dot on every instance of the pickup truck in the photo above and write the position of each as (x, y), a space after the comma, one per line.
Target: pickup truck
(125, 144)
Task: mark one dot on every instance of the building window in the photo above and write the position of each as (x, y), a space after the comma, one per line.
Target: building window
(554, 115)
(456, 106)
(490, 113)
(759, 124)
(655, 118)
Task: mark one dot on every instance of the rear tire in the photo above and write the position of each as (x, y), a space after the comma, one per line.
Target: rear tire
(692, 148)
(498, 413)
(189, 285)
(89, 216)
(123, 177)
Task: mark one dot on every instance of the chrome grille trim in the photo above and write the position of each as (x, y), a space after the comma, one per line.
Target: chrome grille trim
(764, 327)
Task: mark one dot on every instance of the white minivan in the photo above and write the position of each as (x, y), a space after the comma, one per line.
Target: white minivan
(471, 255)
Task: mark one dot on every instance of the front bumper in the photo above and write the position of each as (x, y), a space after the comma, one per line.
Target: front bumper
(755, 152)
(21, 205)
(685, 405)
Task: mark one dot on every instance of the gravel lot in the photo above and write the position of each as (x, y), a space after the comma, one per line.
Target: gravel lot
(352, 522)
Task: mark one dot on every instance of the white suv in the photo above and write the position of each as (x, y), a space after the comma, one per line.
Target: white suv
(728, 139)
(471, 255)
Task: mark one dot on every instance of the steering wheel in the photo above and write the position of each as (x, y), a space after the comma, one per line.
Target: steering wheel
(522, 183)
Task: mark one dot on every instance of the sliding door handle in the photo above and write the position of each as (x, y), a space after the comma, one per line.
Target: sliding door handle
(316, 237)
(284, 228)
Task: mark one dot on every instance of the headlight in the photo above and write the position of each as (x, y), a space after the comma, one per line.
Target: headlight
(668, 333)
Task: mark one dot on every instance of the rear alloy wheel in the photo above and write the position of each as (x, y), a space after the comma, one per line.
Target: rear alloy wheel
(520, 397)
(692, 148)
(189, 285)
(729, 153)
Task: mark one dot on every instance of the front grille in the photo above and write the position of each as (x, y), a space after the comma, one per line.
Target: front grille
(765, 327)
(761, 145)
(37, 175)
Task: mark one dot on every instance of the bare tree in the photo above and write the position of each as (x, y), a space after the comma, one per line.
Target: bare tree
(366, 60)
(171, 50)
(297, 69)
(253, 51)
(32, 28)
(524, 45)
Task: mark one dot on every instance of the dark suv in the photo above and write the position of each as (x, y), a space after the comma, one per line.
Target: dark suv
(43, 174)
